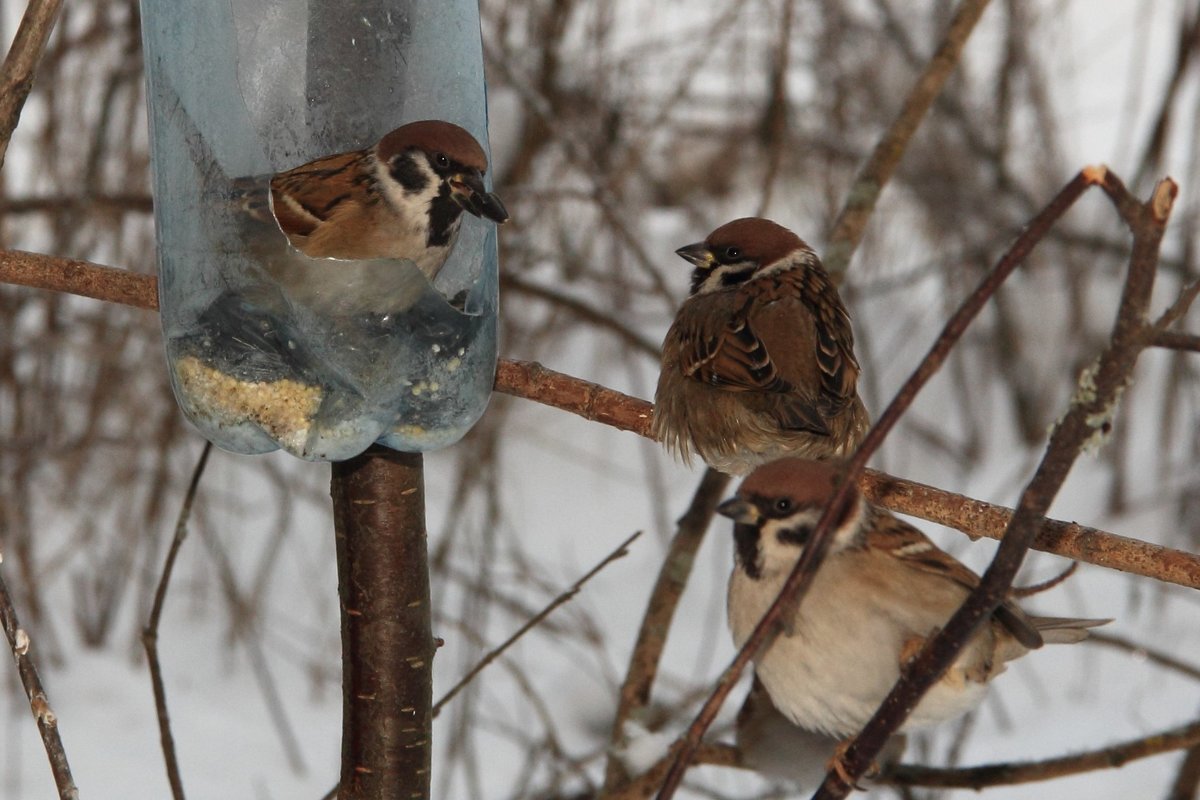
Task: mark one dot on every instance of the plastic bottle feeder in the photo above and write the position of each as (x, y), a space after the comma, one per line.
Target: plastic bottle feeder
(267, 347)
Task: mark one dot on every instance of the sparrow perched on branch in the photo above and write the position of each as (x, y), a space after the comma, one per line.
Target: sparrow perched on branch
(882, 590)
(759, 362)
(401, 198)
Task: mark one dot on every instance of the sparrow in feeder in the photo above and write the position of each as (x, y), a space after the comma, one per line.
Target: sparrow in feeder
(882, 589)
(402, 198)
(759, 362)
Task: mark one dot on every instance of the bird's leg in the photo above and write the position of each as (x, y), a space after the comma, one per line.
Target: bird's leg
(912, 645)
(837, 764)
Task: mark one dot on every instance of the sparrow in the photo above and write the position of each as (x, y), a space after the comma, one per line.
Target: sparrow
(772, 746)
(759, 362)
(401, 198)
(882, 590)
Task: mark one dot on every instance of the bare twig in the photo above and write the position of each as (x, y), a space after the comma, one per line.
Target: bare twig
(814, 551)
(150, 632)
(1087, 420)
(720, 755)
(1186, 785)
(1009, 774)
(621, 551)
(47, 720)
(1153, 655)
(584, 312)
(79, 277)
(16, 75)
(1067, 539)
(592, 401)
(660, 610)
(850, 224)
(1177, 340)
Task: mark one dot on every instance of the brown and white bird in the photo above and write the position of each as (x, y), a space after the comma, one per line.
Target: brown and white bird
(402, 198)
(881, 591)
(759, 362)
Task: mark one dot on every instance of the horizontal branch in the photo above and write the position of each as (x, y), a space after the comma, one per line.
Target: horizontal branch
(1009, 774)
(532, 381)
(1176, 340)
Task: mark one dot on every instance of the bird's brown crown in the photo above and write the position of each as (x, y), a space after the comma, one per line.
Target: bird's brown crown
(435, 136)
(807, 483)
(760, 240)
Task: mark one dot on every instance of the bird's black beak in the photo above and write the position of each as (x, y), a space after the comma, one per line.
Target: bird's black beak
(738, 510)
(468, 191)
(698, 254)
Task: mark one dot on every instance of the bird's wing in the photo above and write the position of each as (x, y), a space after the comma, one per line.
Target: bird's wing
(914, 549)
(305, 197)
(834, 339)
(734, 357)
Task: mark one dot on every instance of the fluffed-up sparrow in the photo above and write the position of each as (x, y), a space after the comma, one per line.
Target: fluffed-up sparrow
(759, 362)
(881, 591)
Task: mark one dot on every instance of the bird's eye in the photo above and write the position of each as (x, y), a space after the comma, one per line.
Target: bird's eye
(732, 252)
(441, 160)
(783, 505)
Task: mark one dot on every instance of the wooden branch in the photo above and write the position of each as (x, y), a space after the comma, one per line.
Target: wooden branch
(16, 75)
(1087, 420)
(79, 277)
(46, 719)
(1177, 340)
(818, 543)
(591, 401)
(387, 638)
(1068, 539)
(1009, 774)
(532, 381)
(150, 632)
(660, 612)
(852, 221)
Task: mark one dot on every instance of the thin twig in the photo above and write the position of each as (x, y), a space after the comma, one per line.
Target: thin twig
(16, 75)
(1151, 654)
(850, 224)
(621, 551)
(1009, 774)
(1177, 340)
(1087, 420)
(47, 720)
(150, 632)
(660, 611)
(583, 311)
(712, 753)
(802, 575)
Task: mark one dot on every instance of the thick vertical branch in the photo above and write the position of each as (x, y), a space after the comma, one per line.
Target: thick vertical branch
(387, 641)
(16, 76)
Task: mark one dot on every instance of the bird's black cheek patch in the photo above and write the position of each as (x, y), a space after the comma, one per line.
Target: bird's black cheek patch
(408, 174)
(443, 216)
(745, 538)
